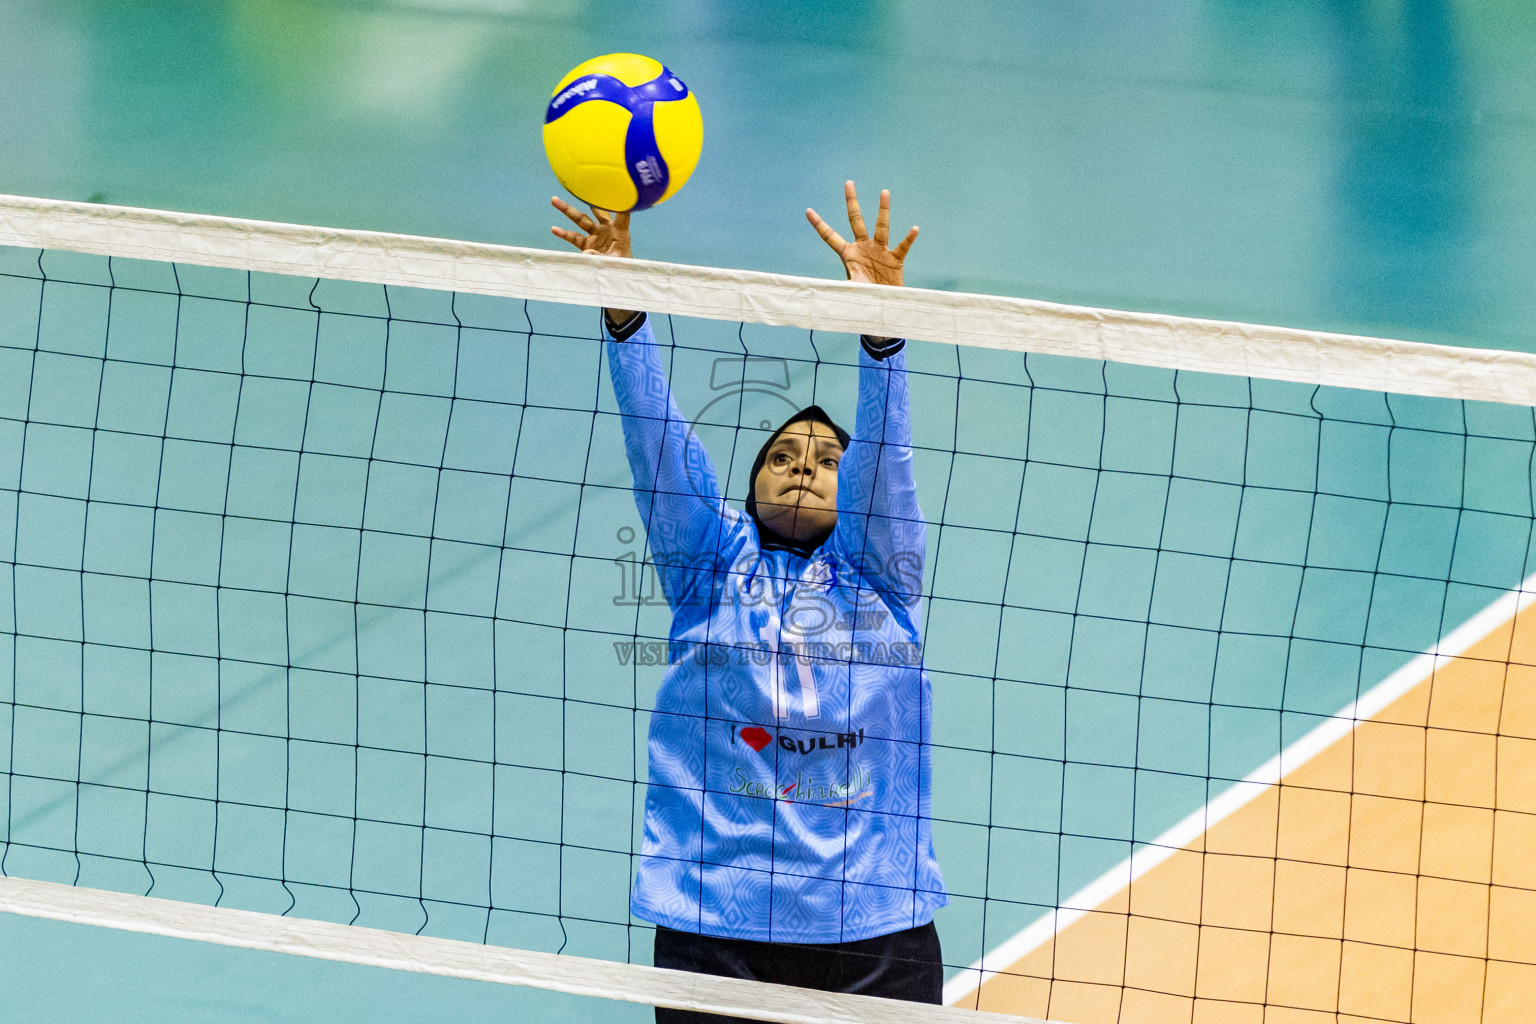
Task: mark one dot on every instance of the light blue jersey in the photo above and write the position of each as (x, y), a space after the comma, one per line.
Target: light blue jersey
(788, 798)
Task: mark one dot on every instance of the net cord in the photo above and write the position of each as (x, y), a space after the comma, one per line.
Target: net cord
(583, 976)
(453, 958)
(963, 986)
(988, 321)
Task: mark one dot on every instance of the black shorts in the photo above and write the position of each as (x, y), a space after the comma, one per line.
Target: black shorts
(902, 965)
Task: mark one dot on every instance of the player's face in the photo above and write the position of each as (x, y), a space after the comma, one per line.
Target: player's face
(796, 490)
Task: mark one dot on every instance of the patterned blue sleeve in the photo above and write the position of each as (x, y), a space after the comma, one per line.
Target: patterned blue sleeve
(685, 516)
(879, 524)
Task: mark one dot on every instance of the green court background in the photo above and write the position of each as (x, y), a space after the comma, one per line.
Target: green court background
(1361, 167)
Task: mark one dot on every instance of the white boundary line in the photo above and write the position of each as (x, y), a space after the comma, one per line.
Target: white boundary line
(455, 959)
(1021, 325)
(1240, 794)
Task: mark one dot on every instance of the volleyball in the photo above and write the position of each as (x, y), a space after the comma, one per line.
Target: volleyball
(622, 132)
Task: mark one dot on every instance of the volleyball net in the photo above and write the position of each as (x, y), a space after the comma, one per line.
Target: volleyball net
(327, 623)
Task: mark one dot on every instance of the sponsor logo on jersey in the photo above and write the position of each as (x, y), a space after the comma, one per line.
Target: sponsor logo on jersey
(808, 787)
(758, 738)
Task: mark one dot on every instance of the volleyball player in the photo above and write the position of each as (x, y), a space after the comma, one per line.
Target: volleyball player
(787, 831)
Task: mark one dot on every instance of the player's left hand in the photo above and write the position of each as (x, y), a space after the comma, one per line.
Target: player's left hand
(866, 258)
(607, 234)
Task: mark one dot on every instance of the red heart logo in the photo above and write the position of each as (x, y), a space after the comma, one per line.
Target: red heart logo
(757, 738)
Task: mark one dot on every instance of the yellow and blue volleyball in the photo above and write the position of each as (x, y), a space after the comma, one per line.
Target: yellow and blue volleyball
(622, 132)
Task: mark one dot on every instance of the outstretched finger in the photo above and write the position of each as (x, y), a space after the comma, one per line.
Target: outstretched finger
(622, 221)
(602, 215)
(855, 216)
(906, 244)
(580, 219)
(883, 218)
(570, 236)
(824, 229)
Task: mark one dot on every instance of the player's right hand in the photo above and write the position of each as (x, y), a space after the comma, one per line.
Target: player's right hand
(607, 234)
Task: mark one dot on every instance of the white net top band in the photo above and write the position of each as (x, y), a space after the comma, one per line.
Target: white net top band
(1022, 325)
(456, 959)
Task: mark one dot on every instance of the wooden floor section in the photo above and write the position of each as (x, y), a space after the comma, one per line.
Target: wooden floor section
(1391, 877)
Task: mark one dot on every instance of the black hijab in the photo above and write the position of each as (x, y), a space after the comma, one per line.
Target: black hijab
(767, 538)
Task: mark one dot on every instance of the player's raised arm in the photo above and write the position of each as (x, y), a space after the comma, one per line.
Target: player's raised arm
(602, 234)
(879, 522)
(675, 486)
